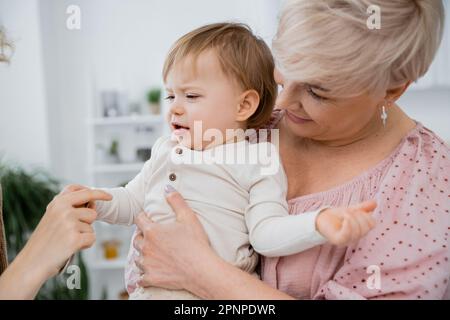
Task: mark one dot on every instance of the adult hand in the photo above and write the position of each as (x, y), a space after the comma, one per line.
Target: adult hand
(170, 254)
(64, 229)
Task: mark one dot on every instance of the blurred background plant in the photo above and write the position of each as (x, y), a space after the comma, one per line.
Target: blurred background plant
(154, 100)
(26, 195)
(114, 149)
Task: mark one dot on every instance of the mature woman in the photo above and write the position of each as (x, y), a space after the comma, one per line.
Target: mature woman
(343, 140)
(64, 229)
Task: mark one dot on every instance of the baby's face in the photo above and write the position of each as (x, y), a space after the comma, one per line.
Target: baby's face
(201, 93)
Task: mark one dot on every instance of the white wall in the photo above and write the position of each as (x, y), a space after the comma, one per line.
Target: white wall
(23, 113)
(431, 107)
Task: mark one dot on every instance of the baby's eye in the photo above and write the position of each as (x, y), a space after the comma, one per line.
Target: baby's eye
(170, 97)
(192, 96)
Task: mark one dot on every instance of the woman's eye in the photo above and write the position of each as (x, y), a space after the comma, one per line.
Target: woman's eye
(191, 96)
(314, 95)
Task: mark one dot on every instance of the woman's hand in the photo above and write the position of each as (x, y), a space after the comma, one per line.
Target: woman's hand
(64, 229)
(66, 225)
(170, 254)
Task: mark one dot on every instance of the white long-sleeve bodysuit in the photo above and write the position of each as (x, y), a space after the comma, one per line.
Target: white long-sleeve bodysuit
(240, 202)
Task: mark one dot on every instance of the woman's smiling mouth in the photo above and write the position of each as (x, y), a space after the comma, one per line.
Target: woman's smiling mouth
(297, 119)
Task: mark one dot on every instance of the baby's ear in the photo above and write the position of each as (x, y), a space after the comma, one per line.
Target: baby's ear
(248, 104)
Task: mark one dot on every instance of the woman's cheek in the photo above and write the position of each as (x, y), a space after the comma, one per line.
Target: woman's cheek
(313, 110)
(325, 112)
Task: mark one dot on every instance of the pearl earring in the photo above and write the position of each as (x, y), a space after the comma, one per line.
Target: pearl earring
(384, 115)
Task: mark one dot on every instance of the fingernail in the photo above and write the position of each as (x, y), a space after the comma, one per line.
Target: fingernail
(169, 189)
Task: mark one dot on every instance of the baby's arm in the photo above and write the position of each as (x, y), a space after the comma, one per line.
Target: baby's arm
(125, 204)
(128, 201)
(273, 232)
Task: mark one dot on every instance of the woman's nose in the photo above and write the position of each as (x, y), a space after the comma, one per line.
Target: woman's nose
(286, 99)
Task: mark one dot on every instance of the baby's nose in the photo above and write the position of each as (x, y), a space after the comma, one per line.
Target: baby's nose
(176, 108)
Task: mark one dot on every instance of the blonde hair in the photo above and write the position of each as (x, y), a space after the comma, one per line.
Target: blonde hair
(5, 47)
(243, 56)
(328, 42)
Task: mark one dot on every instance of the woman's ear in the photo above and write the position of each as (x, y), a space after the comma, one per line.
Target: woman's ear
(248, 104)
(393, 94)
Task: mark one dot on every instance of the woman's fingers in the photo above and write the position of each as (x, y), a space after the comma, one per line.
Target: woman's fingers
(137, 242)
(145, 281)
(64, 229)
(85, 228)
(86, 240)
(139, 264)
(178, 204)
(143, 222)
(72, 188)
(86, 215)
(83, 197)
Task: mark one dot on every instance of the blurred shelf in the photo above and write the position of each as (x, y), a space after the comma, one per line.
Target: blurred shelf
(118, 168)
(126, 120)
(107, 264)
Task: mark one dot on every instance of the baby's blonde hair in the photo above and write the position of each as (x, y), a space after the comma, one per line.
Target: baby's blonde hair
(328, 42)
(244, 57)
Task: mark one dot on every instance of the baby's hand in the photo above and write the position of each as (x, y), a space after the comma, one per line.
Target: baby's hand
(341, 226)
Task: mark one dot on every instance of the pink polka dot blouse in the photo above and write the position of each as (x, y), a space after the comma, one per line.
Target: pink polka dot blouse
(406, 256)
